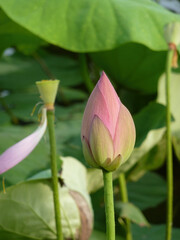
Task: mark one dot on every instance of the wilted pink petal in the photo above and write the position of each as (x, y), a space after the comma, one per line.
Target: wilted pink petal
(15, 154)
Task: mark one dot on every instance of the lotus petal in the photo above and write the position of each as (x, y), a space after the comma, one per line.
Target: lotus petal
(104, 103)
(88, 154)
(16, 153)
(100, 141)
(111, 166)
(125, 134)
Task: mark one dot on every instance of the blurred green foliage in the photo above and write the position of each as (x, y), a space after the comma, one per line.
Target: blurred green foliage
(45, 40)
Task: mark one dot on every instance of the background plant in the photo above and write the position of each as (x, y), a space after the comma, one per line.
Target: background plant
(72, 42)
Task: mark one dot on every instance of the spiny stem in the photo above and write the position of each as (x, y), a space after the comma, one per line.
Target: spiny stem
(109, 205)
(50, 117)
(169, 149)
(124, 198)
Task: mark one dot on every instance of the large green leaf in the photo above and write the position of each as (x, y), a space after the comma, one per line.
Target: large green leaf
(27, 211)
(133, 66)
(148, 191)
(33, 200)
(74, 174)
(71, 168)
(11, 34)
(84, 25)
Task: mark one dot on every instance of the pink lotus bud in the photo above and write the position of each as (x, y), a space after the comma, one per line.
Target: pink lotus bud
(108, 131)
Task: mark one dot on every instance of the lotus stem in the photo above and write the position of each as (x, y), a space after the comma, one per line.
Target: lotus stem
(109, 205)
(50, 118)
(169, 149)
(124, 198)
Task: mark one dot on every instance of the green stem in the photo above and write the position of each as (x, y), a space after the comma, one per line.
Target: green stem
(124, 198)
(169, 149)
(85, 73)
(50, 117)
(109, 205)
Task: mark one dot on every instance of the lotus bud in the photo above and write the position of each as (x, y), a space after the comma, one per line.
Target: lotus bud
(48, 90)
(108, 131)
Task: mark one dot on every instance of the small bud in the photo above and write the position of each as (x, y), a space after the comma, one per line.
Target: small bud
(48, 90)
(172, 33)
(108, 131)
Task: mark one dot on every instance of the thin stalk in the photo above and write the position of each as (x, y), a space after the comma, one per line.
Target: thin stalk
(109, 205)
(124, 198)
(85, 73)
(169, 149)
(50, 118)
